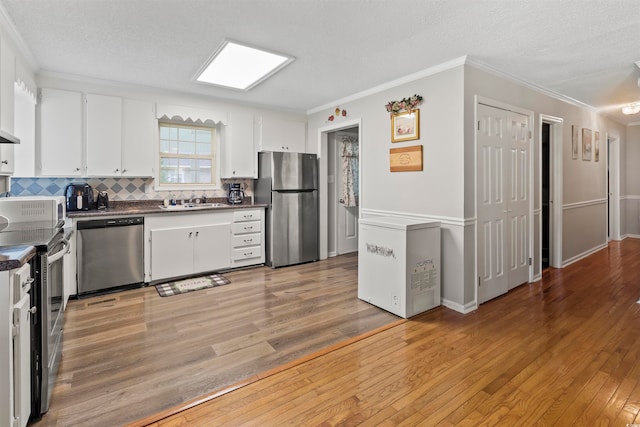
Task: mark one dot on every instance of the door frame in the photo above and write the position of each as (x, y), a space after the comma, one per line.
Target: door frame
(613, 166)
(322, 153)
(555, 188)
(530, 114)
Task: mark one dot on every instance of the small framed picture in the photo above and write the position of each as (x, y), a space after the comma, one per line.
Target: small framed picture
(596, 146)
(405, 126)
(575, 141)
(587, 144)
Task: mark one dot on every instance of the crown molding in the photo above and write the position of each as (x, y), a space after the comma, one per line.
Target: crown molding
(548, 92)
(393, 83)
(7, 24)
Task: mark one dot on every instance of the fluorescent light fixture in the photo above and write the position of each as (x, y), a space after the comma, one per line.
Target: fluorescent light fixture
(632, 108)
(238, 66)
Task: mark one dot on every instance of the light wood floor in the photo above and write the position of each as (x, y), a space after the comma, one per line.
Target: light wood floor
(562, 351)
(132, 354)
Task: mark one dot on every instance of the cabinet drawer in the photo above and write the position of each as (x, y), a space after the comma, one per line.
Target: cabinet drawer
(247, 215)
(247, 227)
(246, 240)
(246, 253)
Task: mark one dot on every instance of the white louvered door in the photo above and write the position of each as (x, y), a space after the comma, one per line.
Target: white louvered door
(503, 201)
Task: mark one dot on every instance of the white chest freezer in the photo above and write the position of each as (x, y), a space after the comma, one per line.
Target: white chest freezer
(399, 264)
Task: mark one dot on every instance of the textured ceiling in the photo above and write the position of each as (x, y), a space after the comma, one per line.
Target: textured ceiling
(583, 49)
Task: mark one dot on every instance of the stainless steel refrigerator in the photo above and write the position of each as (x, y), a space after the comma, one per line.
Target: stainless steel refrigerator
(288, 184)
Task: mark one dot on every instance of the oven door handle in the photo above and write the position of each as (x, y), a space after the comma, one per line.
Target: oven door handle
(58, 256)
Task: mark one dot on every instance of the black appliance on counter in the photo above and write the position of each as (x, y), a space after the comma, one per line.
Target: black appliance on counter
(79, 197)
(235, 195)
(103, 200)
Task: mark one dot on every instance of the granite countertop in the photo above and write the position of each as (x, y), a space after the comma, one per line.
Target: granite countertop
(15, 256)
(143, 207)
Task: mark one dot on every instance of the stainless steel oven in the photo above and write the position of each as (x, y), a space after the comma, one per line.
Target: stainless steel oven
(39, 222)
(49, 275)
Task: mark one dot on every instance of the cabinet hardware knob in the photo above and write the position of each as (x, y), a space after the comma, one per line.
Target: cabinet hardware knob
(190, 233)
(5, 162)
(116, 170)
(124, 170)
(77, 169)
(248, 254)
(197, 232)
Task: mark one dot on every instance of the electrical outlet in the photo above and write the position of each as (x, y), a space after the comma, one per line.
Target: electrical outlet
(396, 302)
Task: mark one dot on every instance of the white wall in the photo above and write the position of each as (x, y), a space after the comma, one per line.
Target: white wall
(435, 193)
(584, 182)
(630, 192)
(445, 189)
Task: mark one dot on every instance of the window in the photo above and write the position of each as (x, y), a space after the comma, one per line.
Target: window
(187, 155)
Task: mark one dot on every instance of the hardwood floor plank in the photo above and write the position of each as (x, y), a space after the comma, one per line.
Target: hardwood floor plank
(131, 354)
(561, 351)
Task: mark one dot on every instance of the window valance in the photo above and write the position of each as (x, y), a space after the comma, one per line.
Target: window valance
(191, 115)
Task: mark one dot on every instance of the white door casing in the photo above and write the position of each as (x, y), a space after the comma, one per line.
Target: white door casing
(346, 217)
(503, 208)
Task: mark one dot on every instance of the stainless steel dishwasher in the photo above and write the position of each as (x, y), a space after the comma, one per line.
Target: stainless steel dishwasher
(110, 254)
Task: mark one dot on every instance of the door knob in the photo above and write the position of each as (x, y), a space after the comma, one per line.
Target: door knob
(341, 201)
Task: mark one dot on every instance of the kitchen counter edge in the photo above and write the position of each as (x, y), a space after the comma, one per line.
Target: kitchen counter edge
(148, 208)
(15, 256)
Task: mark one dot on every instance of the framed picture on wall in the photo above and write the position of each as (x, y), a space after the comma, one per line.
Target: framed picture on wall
(587, 144)
(575, 141)
(405, 126)
(596, 146)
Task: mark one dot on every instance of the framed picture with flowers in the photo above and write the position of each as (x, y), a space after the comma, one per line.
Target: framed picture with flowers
(405, 126)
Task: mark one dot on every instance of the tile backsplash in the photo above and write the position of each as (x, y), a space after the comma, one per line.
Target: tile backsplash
(116, 188)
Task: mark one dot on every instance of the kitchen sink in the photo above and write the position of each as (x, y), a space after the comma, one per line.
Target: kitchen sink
(193, 206)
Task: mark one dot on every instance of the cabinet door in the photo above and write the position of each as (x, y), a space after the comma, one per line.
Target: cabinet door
(21, 361)
(104, 135)
(7, 159)
(60, 133)
(282, 135)
(239, 159)
(211, 250)
(7, 77)
(138, 136)
(171, 252)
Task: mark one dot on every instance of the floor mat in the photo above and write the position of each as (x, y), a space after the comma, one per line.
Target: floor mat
(192, 284)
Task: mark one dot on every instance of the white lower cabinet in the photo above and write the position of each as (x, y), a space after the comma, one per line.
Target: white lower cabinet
(189, 250)
(189, 243)
(247, 244)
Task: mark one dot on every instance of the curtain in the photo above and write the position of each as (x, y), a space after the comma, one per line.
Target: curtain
(350, 172)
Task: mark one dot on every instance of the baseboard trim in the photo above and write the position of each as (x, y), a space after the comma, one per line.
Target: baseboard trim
(464, 309)
(584, 255)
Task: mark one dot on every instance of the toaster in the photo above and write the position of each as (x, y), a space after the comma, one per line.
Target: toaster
(79, 197)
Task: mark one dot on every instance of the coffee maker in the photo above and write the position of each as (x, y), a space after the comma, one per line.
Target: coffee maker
(235, 195)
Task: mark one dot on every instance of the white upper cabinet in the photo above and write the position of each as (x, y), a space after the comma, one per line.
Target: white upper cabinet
(120, 133)
(239, 157)
(276, 134)
(60, 133)
(7, 77)
(138, 138)
(104, 135)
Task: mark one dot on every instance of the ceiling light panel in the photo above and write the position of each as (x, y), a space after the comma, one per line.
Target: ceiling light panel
(238, 66)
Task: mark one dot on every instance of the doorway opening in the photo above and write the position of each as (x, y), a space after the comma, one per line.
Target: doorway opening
(343, 171)
(329, 203)
(546, 191)
(613, 187)
(551, 134)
